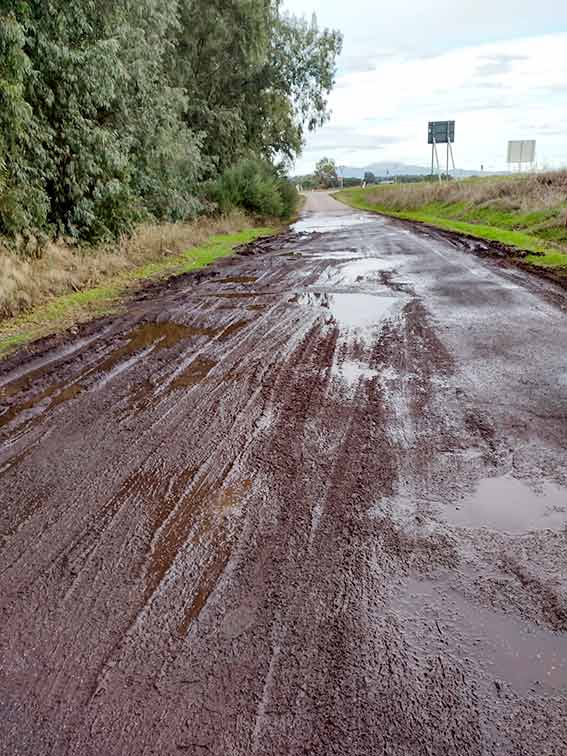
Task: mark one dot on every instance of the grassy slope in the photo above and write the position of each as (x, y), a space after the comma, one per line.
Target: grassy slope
(64, 311)
(484, 223)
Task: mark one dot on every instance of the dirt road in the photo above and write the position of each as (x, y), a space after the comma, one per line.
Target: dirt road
(310, 501)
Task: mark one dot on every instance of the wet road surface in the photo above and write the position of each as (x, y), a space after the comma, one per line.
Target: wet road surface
(310, 501)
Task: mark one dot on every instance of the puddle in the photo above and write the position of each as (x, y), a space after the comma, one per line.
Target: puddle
(57, 394)
(323, 223)
(238, 280)
(506, 648)
(350, 310)
(196, 513)
(358, 310)
(234, 295)
(197, 371)
(23, 378)
(154, 336)
(366, 267)
(233, 329)
(369, 272)
(352, 372)
(231, 377)
(348, 255)
(68, 393)
(142, 340)
(209, 580)
(511, 505)
(257, 307)
(230, 496)
(164, 335)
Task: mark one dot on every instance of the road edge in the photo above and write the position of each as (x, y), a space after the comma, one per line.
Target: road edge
(62, 315)
(506, 254)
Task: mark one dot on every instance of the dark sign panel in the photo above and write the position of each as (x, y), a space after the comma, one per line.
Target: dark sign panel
(441, 132)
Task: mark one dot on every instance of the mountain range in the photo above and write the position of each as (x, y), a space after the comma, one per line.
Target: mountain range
(385, 169)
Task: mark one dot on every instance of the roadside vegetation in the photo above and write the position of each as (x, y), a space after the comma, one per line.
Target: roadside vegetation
(528, 212)
(26, 282)
(151, 254)
(130, 132)
(116, 114)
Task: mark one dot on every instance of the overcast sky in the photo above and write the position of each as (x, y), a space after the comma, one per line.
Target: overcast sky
(498, 67)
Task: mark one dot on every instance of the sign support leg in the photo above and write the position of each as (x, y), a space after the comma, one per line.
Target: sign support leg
(452, 156)
(437, 160)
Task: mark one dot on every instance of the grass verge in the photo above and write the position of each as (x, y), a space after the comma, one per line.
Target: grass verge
(63, 311)
(522, 229)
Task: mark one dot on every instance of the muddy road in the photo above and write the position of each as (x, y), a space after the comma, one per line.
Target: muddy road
(312, 500)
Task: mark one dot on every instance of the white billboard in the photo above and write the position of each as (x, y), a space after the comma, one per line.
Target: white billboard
(522, 151)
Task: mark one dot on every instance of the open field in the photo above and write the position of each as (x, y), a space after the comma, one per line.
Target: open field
(526, 212)
(155, 252)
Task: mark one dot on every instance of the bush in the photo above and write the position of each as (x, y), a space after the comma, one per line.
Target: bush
(290, 197)
(255, 186)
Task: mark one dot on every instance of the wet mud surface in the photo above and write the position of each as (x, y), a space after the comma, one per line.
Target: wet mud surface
(312, 500)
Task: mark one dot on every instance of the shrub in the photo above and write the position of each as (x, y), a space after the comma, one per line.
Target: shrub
(255, 186)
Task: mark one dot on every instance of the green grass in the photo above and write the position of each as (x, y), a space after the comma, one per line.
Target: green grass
(9, 343)
(63, 311)
(515, 229)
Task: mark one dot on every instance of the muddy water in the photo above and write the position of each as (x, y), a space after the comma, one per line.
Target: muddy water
(329, 222)
(310, 500)
(511, 505)
(511, 654)
(350, 310)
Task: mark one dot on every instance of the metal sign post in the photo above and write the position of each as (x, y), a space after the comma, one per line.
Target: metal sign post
(441, 132)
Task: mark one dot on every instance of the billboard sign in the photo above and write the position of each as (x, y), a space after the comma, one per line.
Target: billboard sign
(522, 151)
(441, 132)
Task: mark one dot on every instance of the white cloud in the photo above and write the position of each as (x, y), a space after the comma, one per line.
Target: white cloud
(495, 91)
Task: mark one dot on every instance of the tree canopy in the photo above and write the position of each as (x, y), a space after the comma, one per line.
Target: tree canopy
(115, 111)
(326, 173)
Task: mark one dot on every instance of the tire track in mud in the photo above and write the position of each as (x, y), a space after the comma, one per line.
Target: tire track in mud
(230, 518)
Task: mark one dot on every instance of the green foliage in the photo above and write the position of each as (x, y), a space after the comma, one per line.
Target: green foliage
(255, 186)
(22, 203)
(112, 112)
(256, 79)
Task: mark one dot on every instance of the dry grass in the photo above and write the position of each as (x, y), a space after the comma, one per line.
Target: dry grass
(521, 194)
(26, 282)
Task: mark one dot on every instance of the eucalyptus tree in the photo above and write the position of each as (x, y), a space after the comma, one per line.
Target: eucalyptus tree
(256, 78)
(112, 111)
(23, 203)
(108, 144)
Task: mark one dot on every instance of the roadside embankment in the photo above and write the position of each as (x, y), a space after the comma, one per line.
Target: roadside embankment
(527, 213)
(48, 292)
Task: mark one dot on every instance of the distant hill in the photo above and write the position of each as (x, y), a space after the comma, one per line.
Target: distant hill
(385, 169)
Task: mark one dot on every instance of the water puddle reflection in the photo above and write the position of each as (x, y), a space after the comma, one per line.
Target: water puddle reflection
(197, 371)
(511, 505)
(238, 280)
(233, 329)
(141, 341)
(353, 372)
(324, 223)
(350, 310)
(508, 648)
